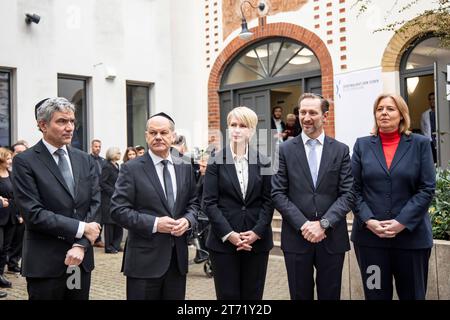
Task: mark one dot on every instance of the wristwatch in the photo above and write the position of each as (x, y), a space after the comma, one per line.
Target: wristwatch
(324, 223)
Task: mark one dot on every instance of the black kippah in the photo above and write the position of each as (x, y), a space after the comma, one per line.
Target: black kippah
(36, 107)
(162, 114)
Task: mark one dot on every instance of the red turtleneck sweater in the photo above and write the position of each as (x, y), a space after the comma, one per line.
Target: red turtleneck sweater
(390, 143)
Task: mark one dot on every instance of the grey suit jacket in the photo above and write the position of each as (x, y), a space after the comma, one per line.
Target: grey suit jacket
(138, 199)
(297, 200)
(50, 212)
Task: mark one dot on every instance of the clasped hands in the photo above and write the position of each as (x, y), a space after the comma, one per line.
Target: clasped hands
(313, 232)
(243, 240)
(174, 227)
(385, 228)
(75, 255)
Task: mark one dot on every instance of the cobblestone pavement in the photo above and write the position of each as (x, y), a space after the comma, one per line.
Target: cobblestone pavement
(108, 283)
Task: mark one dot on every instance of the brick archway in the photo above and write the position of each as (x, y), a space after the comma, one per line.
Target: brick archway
(401, 40)
(287, 30)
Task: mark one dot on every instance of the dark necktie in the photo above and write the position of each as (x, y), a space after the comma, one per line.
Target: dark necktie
(168, 185)
(433, 126)
(65, 170)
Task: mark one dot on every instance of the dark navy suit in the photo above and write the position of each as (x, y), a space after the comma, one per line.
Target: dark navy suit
(403, 192)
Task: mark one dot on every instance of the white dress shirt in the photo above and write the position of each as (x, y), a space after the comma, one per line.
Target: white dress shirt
(425, 125)
(159, 167)
(241, 166)
(52, 149)
(319, 146)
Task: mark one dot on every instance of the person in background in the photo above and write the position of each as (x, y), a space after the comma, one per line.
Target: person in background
(8, 214)
(3, 203)
(96, 147)
(130, 154)
(277, 124)
(110, 172)
(394, 182)
(290, 129)
(428, 124)
(298, 127)
(236, 197)
(140, 150)
(14, 254)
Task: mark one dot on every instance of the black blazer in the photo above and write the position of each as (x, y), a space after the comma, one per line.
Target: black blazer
(228, 211)
(10, 214)
(294, 195)
(107, 181)
(137, 200)
(50, 212)
(403, 192)
(273, 126)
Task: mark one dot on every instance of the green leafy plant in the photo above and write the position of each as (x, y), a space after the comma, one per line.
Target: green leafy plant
(440, 206)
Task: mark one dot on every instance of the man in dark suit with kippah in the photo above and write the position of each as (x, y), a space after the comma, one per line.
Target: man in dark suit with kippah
(56, 189)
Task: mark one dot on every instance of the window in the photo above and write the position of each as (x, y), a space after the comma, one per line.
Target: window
(138, 108)
(74, 90)
(5, 108)
(425, 54)
(271, 59)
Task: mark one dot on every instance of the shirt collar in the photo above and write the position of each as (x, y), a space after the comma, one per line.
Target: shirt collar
(320, 138)
(157, 159)
(235, 155)
(52, 148)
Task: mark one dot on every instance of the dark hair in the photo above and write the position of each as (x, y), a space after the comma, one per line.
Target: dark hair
(430, 94)
(275, 108)
(138, 147)
(13, 147)
(324, 104)
(295, 110)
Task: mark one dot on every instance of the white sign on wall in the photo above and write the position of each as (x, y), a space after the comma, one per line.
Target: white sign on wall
(354, 95)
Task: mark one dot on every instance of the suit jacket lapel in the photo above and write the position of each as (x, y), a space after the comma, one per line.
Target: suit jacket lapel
(253, 168)
(325, 159)
(402, 148)
(75, 163)
(150, 171)
(44, 155)
(377, 149)
(299, 150)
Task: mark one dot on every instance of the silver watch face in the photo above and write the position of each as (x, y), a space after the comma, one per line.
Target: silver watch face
(324, 223)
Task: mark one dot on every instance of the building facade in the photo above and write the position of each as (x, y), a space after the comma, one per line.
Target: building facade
(120, 61)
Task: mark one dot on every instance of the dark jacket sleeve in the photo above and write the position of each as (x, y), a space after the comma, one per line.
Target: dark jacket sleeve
(266, 212)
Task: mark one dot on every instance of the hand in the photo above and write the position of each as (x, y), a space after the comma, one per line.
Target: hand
(5, 202)
(235, 239)
(92, 231)
(377, 228)
(20, 220)
(313, 232)
(74, 256)
(250, 236)
(392, 227)
(181, 227)
(166, 224)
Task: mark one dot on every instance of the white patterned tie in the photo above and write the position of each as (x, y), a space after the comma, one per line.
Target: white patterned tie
(312, 159)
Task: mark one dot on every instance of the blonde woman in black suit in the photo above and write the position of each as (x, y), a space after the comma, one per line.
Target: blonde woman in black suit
(239, 207)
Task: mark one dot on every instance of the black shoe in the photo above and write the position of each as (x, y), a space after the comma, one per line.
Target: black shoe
(120, 249)
(4, 283)
(111, 251)
(3, 294)
(14, 269)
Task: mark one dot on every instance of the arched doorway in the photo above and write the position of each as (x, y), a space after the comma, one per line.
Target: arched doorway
(268, 73)
(218, 79)
(423, 83)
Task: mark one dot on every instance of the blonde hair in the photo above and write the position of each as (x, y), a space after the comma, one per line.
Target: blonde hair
(4, 153)
(291, 116)
(405, 120)
(245, 115)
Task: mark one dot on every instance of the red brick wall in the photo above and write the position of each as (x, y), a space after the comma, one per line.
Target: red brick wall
(259, 33)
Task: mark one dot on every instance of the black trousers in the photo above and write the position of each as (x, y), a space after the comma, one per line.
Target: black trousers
(240, 275)
(380, 266)
(300, 272)
(171, 286)
(6, 236)
(113, 236)
(15, 250)
(58, 288)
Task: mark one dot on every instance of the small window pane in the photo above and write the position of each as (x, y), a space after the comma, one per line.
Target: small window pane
(426, 53)
(5, 108)
(287, 51)
(74, 90)
(239, 73)
(137, 114)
